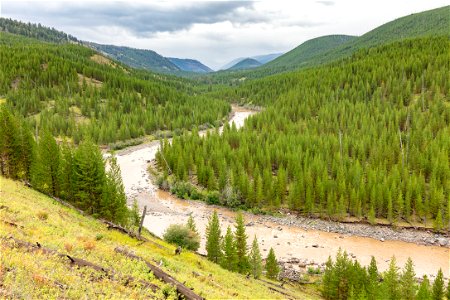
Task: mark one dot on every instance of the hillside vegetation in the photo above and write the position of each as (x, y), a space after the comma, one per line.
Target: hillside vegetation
(327, 49)
(76, 92)
(367, 137)
(27, 272)
(247, 63)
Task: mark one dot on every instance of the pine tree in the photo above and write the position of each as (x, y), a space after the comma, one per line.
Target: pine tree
(134, 217)
(255, 260)
(191, 224)
(424, 292)
(66, 173)
(438, 221)
(407, 281)
(45, 166)
(272, 268)
(89, 177)
(229, 259)
(373, 284)
(114, 200)
(448, 290)
(438, 286)
(241, 243)
(213, 237)
(391, 281)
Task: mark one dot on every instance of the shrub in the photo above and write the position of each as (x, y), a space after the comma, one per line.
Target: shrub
(42, 215)
(213, 197)
(182, 236)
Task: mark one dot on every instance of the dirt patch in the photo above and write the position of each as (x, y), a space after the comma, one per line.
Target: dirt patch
(100, 59)
(2, 100)
(75, 111)
(89, 81)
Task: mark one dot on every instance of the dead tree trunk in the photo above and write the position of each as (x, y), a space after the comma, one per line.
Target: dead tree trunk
(160, 274)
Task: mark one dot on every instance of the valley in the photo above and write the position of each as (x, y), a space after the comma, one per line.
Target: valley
(319, 172)
(310, 241)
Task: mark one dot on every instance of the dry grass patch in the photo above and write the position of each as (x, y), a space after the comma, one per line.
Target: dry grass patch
(89, 81)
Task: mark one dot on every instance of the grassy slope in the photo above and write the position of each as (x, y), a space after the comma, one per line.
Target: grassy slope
(25, 274)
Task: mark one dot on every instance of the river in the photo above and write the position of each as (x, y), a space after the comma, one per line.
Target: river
(289, 241)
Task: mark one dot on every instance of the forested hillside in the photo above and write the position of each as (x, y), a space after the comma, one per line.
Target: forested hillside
(73, 91)
(36, 31)
(137, 58)
(365, 137)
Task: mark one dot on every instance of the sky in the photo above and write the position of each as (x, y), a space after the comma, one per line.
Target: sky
(213, 32)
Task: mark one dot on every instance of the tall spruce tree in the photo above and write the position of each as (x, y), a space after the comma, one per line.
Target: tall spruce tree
(241, 243)
(255, 259)
(438, 286)
(424, 292)
(114, 201)
(408, 285)
(45, 167)
(373, 282)
(191, 224)
(213, 239)
(229, 259)
(272, 268)
(89, 177)
(391, 281)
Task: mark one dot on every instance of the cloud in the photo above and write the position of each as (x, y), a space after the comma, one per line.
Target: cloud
(325, 2)
(141, 19)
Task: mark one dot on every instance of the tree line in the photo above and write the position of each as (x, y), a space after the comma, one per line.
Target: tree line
(74, 174)
(345, 278)
(77, 93)
(230, 251)
(367, 137)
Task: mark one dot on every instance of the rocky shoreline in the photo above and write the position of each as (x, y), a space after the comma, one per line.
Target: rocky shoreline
(378, 232)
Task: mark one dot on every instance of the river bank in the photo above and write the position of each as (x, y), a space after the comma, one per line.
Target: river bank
(298, 241)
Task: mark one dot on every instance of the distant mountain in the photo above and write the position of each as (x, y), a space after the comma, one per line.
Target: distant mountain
(308, 50)
(264, 59)
(247, 63)
(137, 58)
(231, 63)
(189, 65)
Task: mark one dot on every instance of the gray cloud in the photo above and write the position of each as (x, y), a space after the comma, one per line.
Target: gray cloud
(325, 2)
(141, 19)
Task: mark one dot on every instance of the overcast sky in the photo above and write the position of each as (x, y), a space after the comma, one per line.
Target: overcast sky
(213, 32)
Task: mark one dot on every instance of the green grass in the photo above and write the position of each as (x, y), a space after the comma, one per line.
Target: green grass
(27, 274)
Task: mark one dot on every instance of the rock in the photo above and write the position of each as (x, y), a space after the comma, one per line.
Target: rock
(288, 243)
(341, 236)
(315, 246)
(279, 228)
(250, 224)
(278, 244)
(275, 236)
(382, 239)
(442, 242)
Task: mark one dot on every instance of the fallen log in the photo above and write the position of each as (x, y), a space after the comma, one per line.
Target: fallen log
(110, 273)
(160, 274)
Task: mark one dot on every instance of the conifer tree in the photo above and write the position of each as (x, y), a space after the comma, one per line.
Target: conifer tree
(213, 239)
(407, 281)
(448, 290)
(114, 201)
(134, 217)
(45, 167)
(191, 224)
(272, 268)
(255, 260)
(373, 283)
(89, 177)
(241, 243)
(229, 259)
(438, 286)
(391, 281)
(424, 292)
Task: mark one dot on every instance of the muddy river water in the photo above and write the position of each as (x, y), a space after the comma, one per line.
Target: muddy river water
(312, 246)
